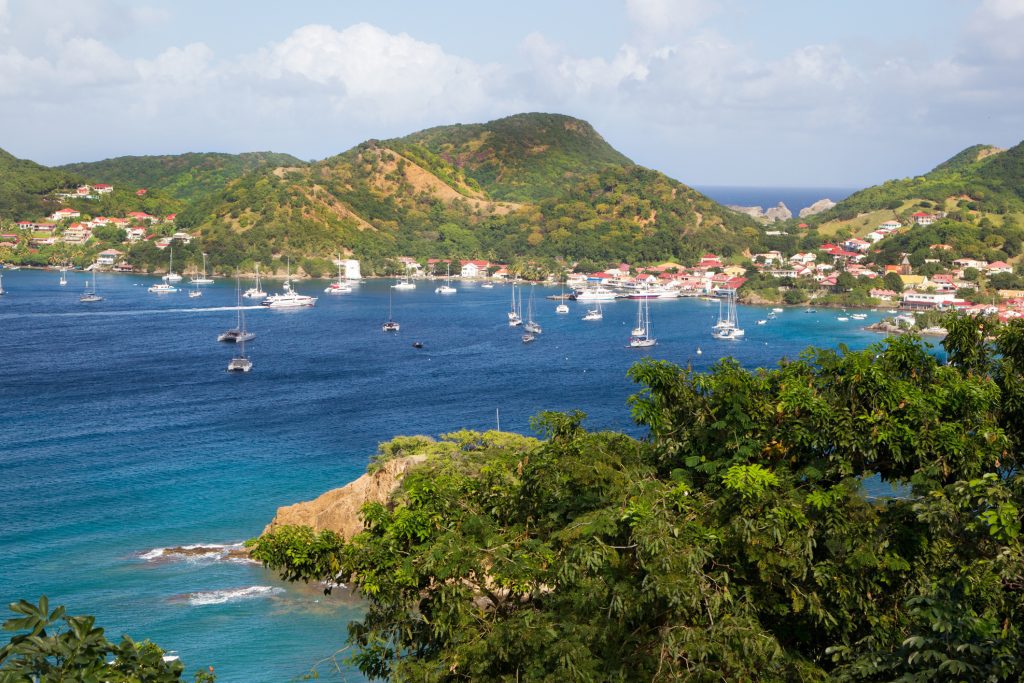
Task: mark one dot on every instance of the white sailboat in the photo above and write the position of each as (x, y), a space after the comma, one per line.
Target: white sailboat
(390, 325)
(530, 326)
(404, 284)
(514, 315)
(339, 286)
(256, 292)
(595, 313)
(204, 280)
(171, 276)
(288, 298)
(728, 328)
(446, 288)
(63, 276)
(2, 292)
(641, 336)
(90, 296)
(562, 307)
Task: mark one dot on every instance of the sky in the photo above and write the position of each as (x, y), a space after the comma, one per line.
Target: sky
(842, 93)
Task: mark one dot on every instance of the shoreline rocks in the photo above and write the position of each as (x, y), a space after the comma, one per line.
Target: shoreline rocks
(817, 207)
(779, 212)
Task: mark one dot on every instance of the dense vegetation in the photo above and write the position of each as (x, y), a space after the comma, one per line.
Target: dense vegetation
(25, 187)
(444, 192)
(735, 543)
(182, 176)
(53, 647)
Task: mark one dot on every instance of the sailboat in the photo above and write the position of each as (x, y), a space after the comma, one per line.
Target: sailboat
(63, 276)
(530, 326)
(202, 280)
(195, 292)
(171, 275)
(595, 313)
(562, 307)
(2, 292)
(405, 283)
(288, 298)
(257, 291)
(514, 315)
(339, 286)
(728, 328)
(241, 362)
(89, 297)
(390, 325)
(238, 333)
(446, 288)
(641, 337)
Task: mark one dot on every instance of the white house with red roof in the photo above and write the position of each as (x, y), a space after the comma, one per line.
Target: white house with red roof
(108, 257)
(856, 244)
(970, 263)
(998, 267)
(922, 218)
(135, 234)
(61, 214)
(141, 216)
(476, 268)
(890, 226)
(76, 233)
(102, 188)
(708, 261)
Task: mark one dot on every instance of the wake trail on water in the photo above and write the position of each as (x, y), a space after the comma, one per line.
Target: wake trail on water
(147, 311)
(219, 597)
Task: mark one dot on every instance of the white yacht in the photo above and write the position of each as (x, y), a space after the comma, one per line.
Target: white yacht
(288, 298)
(203, 280)
(63, 276)
(595, 294)
(390, 325)
(530, 326)
(562, 307)
(89, 296)
(339, 286)
(241, 362)
(404, 284)
(515, 317)
(446, 288)
(487, 285)
(163, 288)
(728, 328)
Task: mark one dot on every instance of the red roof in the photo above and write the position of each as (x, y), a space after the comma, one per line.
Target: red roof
(921, 214)
(600, 276)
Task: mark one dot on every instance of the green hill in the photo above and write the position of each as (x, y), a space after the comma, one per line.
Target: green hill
(981, 177)
(25, 187)
(183, 176)
(531, 185)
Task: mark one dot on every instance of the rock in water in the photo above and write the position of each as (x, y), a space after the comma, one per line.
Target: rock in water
(817, 207)
(780, 212)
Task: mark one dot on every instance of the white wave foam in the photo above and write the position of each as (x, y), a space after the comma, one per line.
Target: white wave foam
(211, 552)
(220, 597)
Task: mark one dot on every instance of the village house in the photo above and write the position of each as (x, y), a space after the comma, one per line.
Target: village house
(412, 267)
(141, 216)
(135, 234)
(76, 233)
(102, 188)
(890, 226)
(883, 294)
(709, 261)
(472, 269)
(875, 236)
(970, 263)
(922, 218)
(998, 267)
(927, 300)
(182, 237)
(61, 214)
(767, 258)
(108, 257)
(856, 244)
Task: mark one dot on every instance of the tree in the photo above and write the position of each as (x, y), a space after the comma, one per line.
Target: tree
(735, 542)
(893, 282)
(52, 646)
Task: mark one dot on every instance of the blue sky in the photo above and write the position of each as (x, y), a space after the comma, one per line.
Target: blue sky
(725, 92)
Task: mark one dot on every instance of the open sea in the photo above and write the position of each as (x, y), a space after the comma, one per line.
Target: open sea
(795, 198)
(122, 434)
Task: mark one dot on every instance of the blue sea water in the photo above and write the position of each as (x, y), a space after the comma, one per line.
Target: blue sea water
(121, 434)
(795, 198)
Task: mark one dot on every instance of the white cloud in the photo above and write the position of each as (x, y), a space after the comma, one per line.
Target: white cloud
(657, 18)
(997, 28)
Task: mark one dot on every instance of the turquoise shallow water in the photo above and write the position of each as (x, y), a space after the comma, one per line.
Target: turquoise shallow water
(120, 433)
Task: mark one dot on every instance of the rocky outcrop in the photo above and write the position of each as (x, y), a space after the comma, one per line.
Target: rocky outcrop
(779, 212)
(817, 207)
(338, 509)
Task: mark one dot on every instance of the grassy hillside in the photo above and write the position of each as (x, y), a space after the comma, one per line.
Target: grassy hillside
(533, 185)
(25, 186)
(183, 176)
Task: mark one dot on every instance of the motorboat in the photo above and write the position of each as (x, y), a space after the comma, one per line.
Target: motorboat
(163, 288)
(404, 284)
(528, 337)
(288, 298)
(594, 294)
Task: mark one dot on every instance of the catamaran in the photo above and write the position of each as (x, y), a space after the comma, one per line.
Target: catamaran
(339, 286)
(237, 333)
(90, 296)
(728, 328)
(641, 336)
(562, 307)
(446, 288)
(204, 280)
(241, 362)
(595, 313)
(257, 291)
(515, 317)
(288, 298)
(171, 275)
(404, 284)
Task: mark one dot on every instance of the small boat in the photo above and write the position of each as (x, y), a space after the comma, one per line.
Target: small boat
(255, 292)
(641, 336)
(390, 325)
(63, 276)
(562, 307)
(776, 310)
(699, 352)
(89, 296)
(859, 316)
(202, 280)
(594, 294)
(417, 345)
(762, 322)
(595, 313)
(528, 337)
(811, 310)
(195, 293)
(339, 286)
(171, 276)
(404, 284)
(446, 288)
(842, 319)
(487, 285)
(163, 288)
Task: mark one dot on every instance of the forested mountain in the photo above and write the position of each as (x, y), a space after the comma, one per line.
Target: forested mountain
(541, 185)
(183, 176)
(981, 177)
(25, 187)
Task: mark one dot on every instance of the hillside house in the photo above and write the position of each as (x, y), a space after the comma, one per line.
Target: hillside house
(998, 267)
(922, 218)
(108, 257)
(472, 269)
(61, 214)
(102, 188)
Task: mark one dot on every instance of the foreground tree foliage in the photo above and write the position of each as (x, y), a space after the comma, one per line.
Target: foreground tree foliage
(737, 542)
(51, 646)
